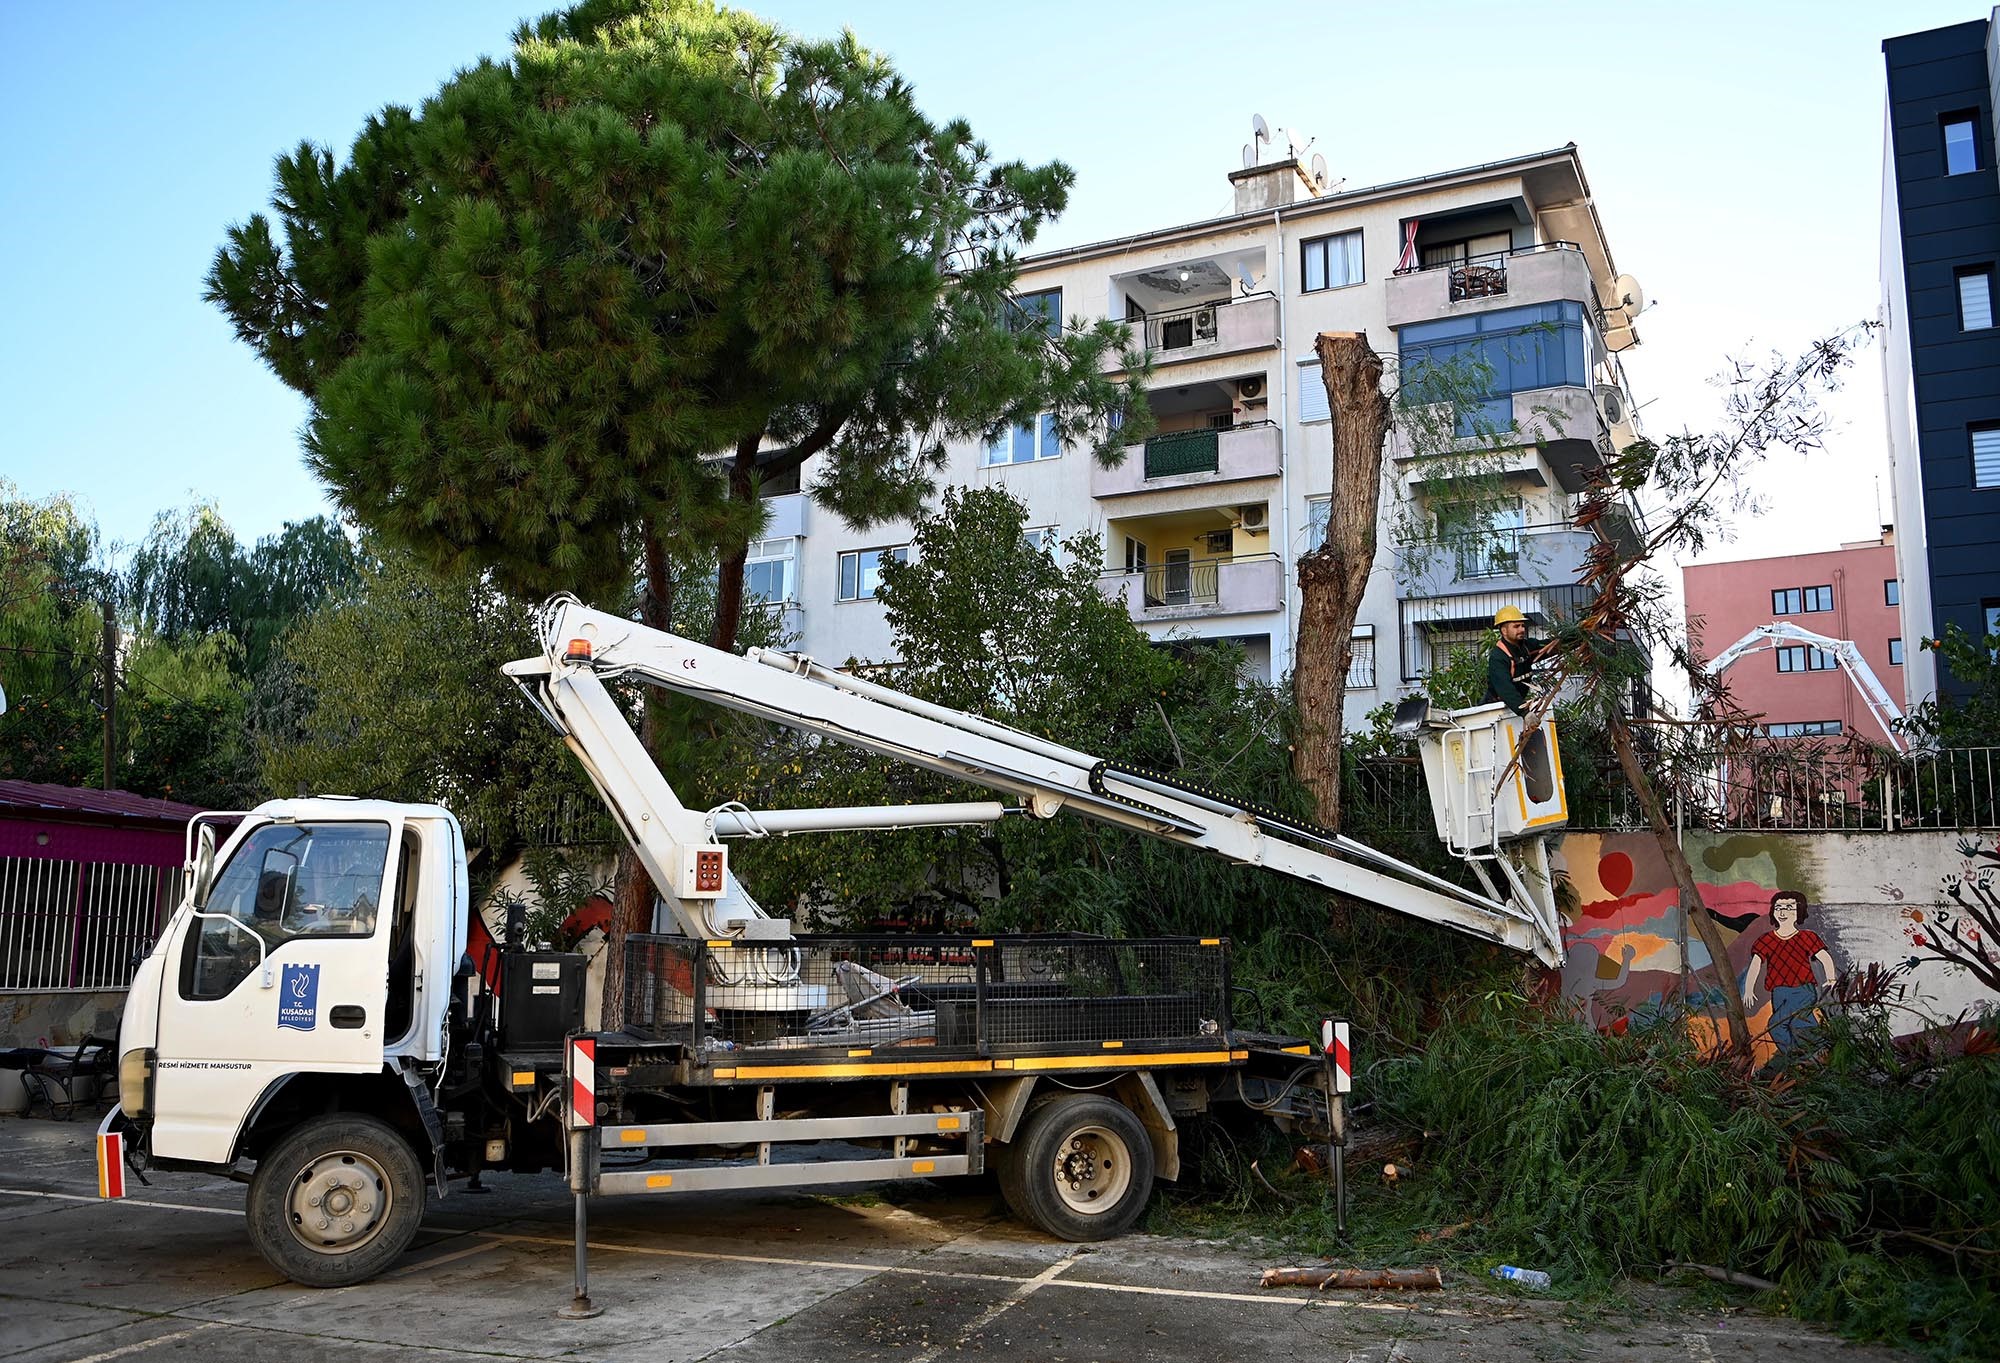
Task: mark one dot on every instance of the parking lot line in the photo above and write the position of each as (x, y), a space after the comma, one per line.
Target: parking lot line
(1003, 1306)
(126, 1350)
(122, 1202)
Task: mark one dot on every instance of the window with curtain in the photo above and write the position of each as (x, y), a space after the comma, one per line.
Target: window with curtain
(861, 570)
(1331, 262)
(1975, 298)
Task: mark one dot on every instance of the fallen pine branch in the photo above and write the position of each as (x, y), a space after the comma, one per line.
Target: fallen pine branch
(1428, 1278)
(1728, 1275)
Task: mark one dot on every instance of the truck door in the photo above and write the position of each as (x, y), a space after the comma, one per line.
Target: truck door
(314, 894)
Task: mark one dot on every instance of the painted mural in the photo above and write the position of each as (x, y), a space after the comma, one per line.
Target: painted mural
(1800, 913)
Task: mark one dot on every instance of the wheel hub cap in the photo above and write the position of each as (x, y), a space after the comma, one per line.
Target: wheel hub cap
(339, 1201)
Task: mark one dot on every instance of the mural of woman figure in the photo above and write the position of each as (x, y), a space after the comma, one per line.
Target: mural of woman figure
(1789, 961)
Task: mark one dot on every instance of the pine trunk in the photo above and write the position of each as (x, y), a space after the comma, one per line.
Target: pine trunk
(729, 586)
(632, 896)
(1683, 874)
(1333, 575)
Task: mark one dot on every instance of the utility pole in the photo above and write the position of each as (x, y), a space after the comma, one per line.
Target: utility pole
(110, 690)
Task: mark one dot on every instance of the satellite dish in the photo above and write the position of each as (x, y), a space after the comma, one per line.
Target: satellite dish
(1319, 171)
(1249, 155)
(1627, 296)
(1260, 128)
(1243, 277)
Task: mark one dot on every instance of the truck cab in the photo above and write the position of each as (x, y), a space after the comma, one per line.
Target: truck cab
(308, 966)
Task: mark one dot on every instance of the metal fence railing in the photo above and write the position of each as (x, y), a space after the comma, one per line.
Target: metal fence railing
(949, 995)
(78, 925)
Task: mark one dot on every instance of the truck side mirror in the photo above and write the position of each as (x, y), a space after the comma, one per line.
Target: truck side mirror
(204, 867)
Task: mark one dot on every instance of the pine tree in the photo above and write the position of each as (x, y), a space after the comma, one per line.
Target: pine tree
(567, 317)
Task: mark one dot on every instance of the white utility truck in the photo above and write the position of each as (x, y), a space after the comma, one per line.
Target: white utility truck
(324, 1018)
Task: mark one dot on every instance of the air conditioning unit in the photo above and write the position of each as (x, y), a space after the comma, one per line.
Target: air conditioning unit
(1611, 405)
(1251, 389)
(1254, 516)
(1204, 324)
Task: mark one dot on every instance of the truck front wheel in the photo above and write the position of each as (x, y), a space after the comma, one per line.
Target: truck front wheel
(336, 1201)
(1080, 1169)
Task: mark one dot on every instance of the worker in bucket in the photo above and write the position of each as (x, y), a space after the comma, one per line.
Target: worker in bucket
(1507, 666)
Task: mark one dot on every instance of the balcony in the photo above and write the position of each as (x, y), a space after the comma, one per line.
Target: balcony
(1198, 589)
(1543, 273)
(1502, 557)
(1433, 629)
(1191, 459)
(1224, 326)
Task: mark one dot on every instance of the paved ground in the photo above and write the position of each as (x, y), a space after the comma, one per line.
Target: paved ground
(914, 1275)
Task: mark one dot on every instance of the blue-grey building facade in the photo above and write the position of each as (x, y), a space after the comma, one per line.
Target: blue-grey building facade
(1941, 356)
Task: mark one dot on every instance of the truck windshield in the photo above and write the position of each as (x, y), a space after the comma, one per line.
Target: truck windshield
(286, 881)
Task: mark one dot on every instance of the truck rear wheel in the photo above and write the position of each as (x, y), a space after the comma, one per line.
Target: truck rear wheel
(1080, 1169)
(336, 1201)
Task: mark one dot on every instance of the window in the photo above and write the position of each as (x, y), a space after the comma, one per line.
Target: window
(1135, 555)
(1801, 600)
(1514, 350)
(1319, 511)
(1471, 248)
(1800, 658)
(1042, 309)
(1811, 728)
(1961, 143)
(1312, 393)
(1025, 443)
(1361, 662)
(285, 881)
(1892, 592)
(1895, 653)
(1331, 262)
(1986, 456)
(861, 570)
(1992, 609)
(1485, 536)
(769, 571)
(1975, 298)
(1043, 537)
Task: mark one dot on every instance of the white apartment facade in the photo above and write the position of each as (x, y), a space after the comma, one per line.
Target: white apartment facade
(1202, 524)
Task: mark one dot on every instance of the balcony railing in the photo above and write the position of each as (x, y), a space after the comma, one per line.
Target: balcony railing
(1183, 452)
(1219, 586)
(1220, 325)
(1546, 271)
(1432, 628)
(1191, 458)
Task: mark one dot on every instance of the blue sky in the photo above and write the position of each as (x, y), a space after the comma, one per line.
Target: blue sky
(1734, 151)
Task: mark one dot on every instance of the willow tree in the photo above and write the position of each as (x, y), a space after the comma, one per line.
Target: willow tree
(564, 320)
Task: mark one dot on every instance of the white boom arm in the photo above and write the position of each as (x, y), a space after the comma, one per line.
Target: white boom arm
(1778, 633)
(678, 845)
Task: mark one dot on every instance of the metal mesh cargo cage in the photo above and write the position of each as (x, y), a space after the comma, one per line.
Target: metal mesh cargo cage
(970, 996)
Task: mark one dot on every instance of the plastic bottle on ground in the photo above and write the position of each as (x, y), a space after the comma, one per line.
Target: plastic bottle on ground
(1527, 1277)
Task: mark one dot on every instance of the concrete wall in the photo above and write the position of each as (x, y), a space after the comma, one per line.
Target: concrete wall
(1870, 896)
(57, 1018)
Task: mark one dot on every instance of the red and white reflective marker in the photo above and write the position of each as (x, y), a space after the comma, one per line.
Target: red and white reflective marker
(582, 1082)
(1333, 1041)
(110, 1159)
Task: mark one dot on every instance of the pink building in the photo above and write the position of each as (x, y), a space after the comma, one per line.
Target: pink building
(1846, 593)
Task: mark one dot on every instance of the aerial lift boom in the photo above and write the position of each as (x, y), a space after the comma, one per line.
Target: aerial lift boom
(1780, 633)
(585, 650)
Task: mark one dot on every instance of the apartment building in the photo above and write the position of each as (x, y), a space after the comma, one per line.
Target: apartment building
(1851, 593)
(1941, 350)
(1200, 526)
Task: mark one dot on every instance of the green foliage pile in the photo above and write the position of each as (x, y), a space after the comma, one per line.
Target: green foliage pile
(1865, 1183)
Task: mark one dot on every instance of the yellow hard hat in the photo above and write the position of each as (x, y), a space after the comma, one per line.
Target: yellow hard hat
(1507, 615)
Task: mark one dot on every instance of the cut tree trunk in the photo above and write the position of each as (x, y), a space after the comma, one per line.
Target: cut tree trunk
(1333, 575)
(1677, 863)
(729, 586)
(632, 894)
